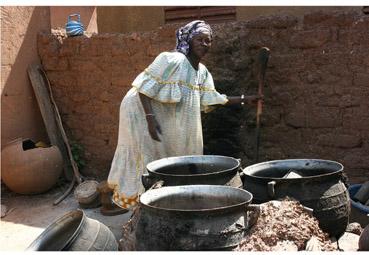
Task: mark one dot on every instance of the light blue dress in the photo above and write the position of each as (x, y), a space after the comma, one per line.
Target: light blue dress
(178, 93)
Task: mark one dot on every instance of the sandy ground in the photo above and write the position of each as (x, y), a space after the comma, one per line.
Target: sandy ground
(28, 216)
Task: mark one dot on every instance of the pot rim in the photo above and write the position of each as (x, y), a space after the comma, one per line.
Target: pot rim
(217, 209)
(246, 169)
(193, 175)
(58, 224)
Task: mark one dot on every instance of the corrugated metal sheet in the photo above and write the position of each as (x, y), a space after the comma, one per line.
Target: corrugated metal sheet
(211, 14)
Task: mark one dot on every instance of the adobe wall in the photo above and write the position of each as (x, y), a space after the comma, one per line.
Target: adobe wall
(317, 87)
(123, 19)
(20, 114)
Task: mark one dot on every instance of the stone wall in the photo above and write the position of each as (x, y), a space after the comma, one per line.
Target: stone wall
(317, 87)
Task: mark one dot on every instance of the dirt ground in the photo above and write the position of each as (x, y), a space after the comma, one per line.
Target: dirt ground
(28, 216)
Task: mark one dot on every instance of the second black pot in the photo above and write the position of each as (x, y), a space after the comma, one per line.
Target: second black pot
(195, 169)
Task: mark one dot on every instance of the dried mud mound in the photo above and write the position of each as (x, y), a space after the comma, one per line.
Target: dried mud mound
(284, 225)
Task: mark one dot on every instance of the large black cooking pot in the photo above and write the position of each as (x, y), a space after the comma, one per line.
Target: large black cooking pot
(196, 169)
(320, 187)
(194, 217)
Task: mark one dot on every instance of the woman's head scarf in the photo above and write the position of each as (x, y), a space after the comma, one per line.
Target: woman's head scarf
(185, 34)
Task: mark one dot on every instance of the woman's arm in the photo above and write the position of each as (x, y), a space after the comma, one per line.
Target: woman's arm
(152, 124)
(232, 100)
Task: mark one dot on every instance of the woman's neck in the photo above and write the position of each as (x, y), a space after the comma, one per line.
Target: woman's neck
(194, 61)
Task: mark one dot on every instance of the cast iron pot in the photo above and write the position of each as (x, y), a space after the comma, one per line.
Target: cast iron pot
(74, 231)
(194, 217)
(320, 188)
(196, 169)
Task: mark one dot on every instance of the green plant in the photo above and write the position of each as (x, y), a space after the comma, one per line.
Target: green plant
(77, 153)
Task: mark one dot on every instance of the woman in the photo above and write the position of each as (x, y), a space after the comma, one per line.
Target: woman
(160, 116)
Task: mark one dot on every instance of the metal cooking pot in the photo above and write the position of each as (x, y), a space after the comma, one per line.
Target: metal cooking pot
(74, 231)
(319, 185)
(196, 169)
(194, 217)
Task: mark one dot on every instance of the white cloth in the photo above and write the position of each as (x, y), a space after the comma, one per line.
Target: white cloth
(178, 93)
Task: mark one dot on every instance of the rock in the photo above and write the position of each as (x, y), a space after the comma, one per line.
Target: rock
(362, 195)
(364, 240)
(348, 242)
(313, 244)
(285, 246)
(354, 228)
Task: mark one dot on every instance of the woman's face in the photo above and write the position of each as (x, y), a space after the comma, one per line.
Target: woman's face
(200, 44)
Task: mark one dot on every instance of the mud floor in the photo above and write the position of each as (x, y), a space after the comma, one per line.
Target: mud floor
(28, 216)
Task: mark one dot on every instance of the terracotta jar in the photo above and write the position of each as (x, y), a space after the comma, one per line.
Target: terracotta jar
(27, 169)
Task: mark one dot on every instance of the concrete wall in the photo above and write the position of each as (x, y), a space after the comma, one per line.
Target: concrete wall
(122, 19)
(20, 114)
(317, 92)
(59, 16)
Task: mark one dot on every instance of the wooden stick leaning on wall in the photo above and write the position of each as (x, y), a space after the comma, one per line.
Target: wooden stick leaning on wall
(48, 116)
(60, 124)
(43, 93)
(263, 58)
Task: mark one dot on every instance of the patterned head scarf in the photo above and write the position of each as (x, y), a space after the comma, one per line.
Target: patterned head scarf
(185, 34)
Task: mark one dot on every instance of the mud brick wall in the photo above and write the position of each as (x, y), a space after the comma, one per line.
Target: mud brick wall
(317, 87)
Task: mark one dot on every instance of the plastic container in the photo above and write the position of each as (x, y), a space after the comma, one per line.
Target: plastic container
(74, 27)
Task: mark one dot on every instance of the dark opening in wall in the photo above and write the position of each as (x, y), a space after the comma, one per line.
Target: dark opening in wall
(366, 9)
(211, 14)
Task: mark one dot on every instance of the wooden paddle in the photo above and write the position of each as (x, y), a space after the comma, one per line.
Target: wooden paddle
(262, 64)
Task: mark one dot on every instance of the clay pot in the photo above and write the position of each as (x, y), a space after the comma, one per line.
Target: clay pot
(26, 169)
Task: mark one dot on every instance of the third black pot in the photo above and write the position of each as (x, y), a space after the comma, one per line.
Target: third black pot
(319, 187)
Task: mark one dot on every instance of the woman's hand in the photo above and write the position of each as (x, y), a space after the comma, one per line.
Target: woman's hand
(153, 126)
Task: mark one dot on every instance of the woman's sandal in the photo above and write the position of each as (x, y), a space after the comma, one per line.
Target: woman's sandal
(108, 207)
